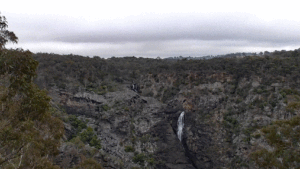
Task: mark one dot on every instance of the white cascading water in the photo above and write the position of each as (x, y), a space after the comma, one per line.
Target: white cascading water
(180, 125)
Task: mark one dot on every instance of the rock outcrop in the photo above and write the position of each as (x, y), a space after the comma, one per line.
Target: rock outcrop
(133, 104)
(141, 131)
(126, 119)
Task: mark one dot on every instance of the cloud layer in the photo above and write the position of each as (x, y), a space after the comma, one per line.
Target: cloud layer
(151, 35)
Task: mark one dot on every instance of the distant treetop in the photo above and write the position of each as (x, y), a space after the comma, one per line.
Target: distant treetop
(5, 35)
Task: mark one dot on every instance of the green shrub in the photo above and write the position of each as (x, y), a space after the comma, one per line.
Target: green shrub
(105, 107)
(95, 142)
(77, 141)
(283, 136)
(129, 149)
(139, 158)
(90, 164)
(145, 138)
(76, 123)
(169, 93)
(283, 94)
(289, 92)
(88, 136)
(293, 105)
(151, 161)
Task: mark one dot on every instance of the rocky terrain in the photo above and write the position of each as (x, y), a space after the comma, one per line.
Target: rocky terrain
(225, 112)
(136, 123)
(130, 126)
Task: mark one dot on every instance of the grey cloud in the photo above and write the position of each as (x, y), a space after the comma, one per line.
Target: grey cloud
(193, 28)
(154, 35)
(235, 26)
(195, 48)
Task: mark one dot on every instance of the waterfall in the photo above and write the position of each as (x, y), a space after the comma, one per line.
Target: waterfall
(180, 125)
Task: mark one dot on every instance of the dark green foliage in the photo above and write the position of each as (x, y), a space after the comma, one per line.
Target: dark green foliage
(28, 132)
(5, 35)
(230, 122)
(95, 142)
(88, 136)
(151, 161)
(104, 75)
(105, 107)
(169, 93)
(89, 164)
(293, 106)
(139, 158)
(248, 133)
(145, 138)
(129, 149)
(289, 92)
(77, 124)
(237, 163)
(284, 137)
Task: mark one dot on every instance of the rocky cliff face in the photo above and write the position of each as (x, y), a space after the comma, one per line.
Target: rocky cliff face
(134, 130)
(228, 103)
(140, 131)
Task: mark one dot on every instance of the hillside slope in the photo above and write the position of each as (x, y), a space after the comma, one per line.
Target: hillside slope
(232, 107)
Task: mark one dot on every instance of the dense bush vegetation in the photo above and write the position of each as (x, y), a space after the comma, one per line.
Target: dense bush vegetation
(100, 74)
(284, 137)
(29, 135)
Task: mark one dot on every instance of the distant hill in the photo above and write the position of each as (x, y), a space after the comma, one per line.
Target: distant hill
(234, 55)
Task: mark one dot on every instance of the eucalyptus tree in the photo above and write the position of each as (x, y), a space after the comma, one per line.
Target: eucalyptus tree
(29, 135)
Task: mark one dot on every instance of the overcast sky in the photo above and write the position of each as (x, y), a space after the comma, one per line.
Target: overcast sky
(153, 28)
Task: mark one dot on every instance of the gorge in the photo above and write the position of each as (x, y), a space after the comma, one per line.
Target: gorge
(217, 113)
(226, 112)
